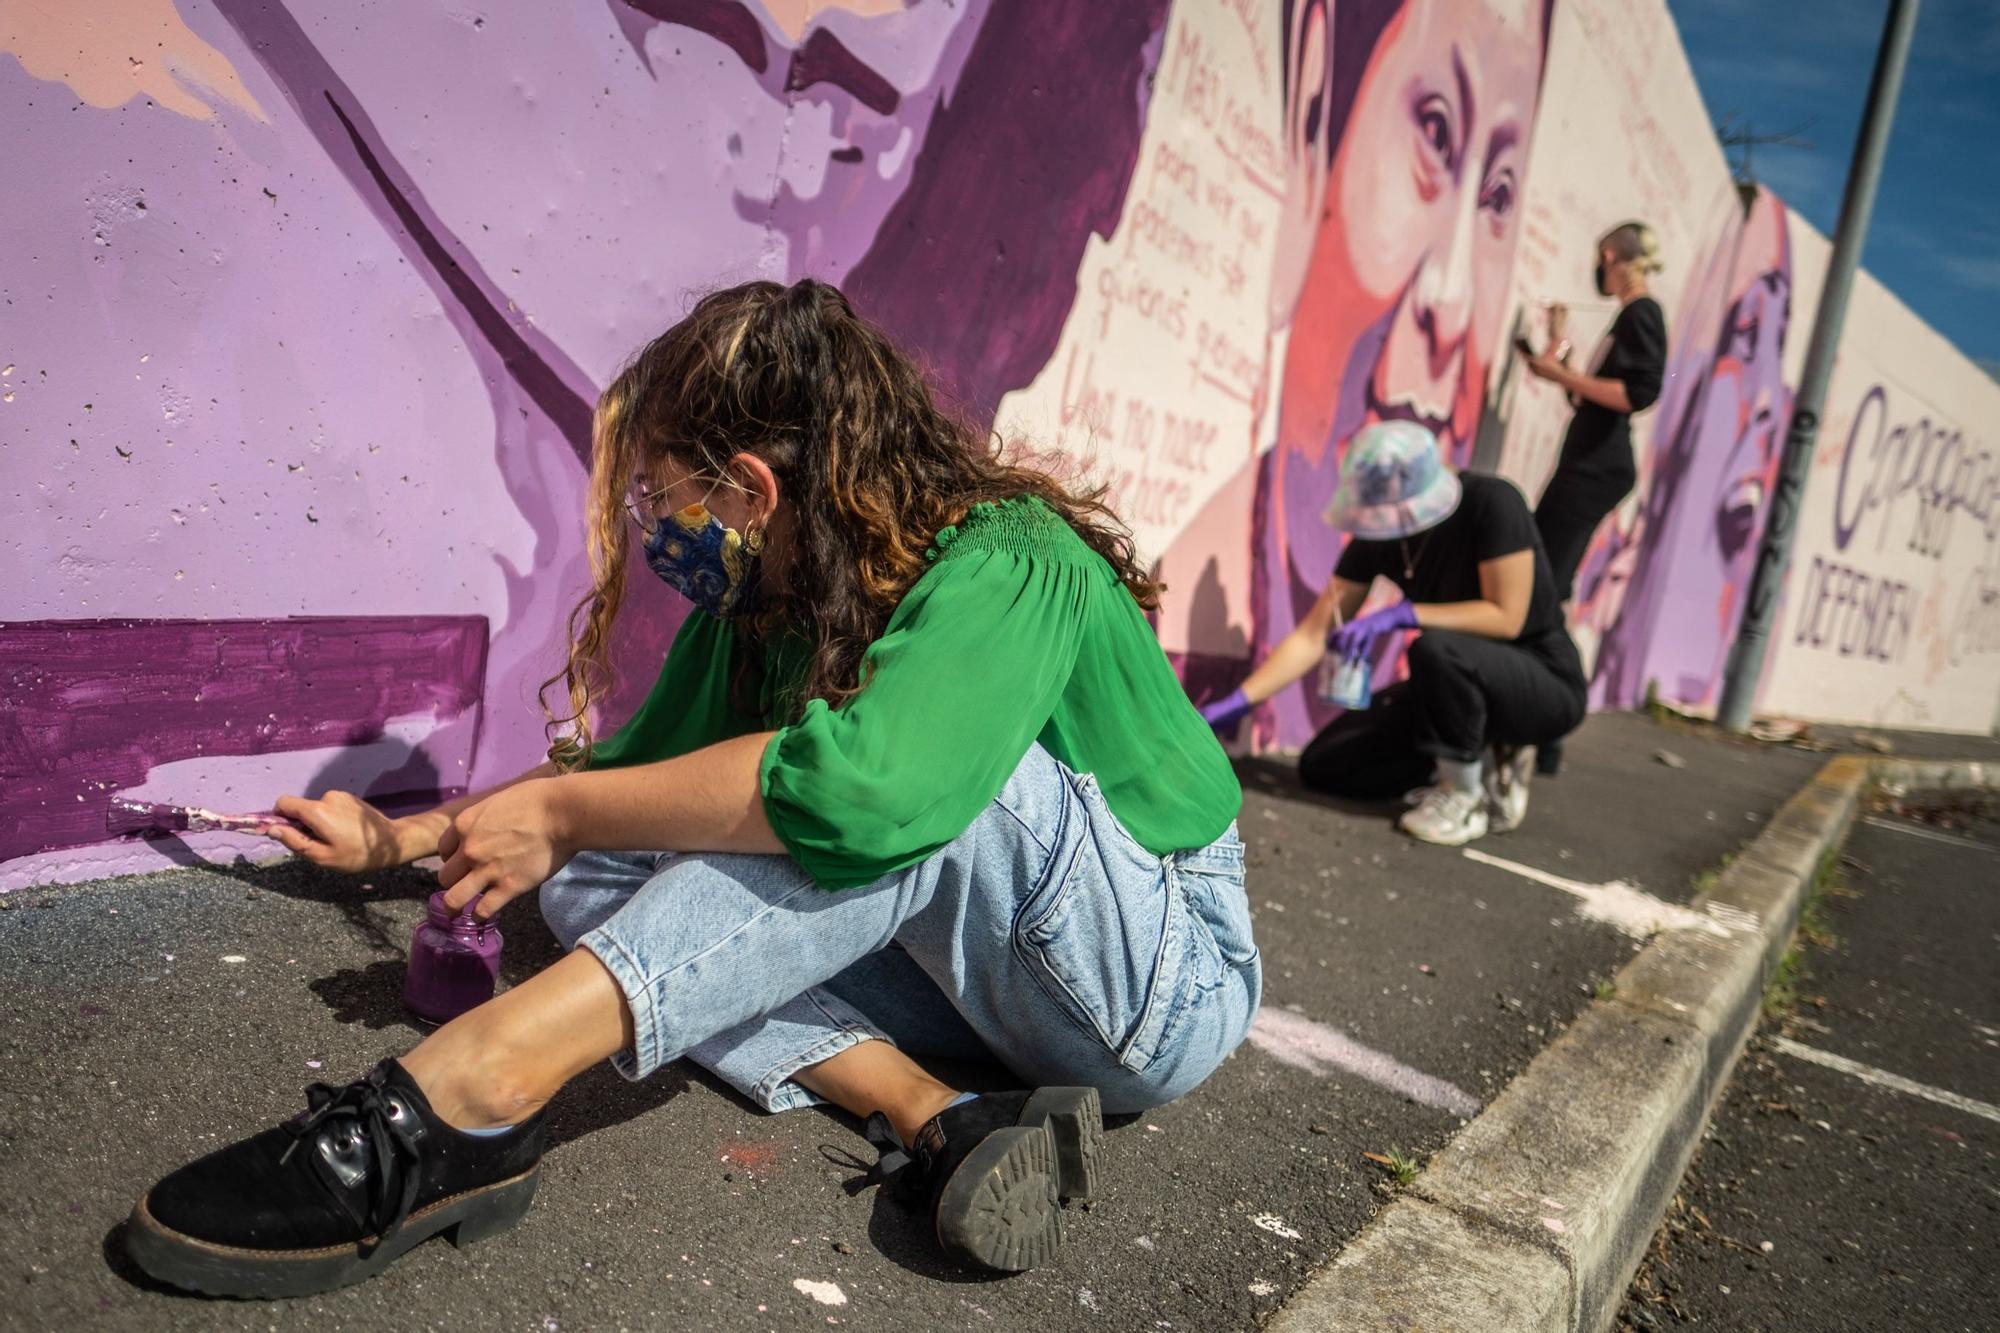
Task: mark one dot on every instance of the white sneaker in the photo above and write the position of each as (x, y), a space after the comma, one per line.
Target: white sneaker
(1508, 769)
(1448, 816)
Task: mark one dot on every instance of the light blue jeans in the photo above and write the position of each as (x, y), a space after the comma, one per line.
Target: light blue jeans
(1043, 937)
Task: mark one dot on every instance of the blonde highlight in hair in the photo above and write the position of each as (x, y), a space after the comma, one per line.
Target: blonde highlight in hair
(586, 674)
(1636, 244)
(871, 466)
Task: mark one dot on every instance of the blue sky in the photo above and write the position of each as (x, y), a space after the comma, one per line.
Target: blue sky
(1935, 237)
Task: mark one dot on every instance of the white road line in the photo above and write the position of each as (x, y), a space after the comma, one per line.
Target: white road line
(1930, 835)
(1296, 1040)
(1622, 904)
(1882, 1078)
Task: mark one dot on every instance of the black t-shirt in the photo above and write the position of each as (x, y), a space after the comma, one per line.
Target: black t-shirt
(1599, 440)
(1491, 521)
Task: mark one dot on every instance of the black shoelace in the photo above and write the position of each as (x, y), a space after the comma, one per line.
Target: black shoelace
(392, 1138)
(894, 1166)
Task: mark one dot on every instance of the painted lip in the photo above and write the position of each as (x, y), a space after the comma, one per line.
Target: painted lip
(1377, 410)
(1736, 516)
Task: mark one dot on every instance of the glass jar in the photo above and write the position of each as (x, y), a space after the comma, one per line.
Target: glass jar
(454, 962)
(1344, 681)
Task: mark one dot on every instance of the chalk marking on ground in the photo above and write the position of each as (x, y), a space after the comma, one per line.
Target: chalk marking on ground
(1882, 1078)
(1295, 1040)
(1617, 903)
(1929, 835)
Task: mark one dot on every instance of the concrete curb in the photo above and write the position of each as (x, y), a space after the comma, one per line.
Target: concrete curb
(1536, 1215)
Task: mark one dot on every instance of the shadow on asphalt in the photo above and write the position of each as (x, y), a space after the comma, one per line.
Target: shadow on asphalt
(1279, 778)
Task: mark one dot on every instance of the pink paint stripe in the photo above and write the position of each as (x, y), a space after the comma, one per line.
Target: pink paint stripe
(1296, 1040)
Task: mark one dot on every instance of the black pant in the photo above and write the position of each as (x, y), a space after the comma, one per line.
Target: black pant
(1464, 694)
(1575, 502)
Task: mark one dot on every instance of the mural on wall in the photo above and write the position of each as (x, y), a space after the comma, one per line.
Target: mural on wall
(313, 304)
(370, 391)
(1661, 592)
(1891, 606)
(1431, 110)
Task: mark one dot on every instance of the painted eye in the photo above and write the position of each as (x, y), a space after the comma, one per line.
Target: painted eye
(1498, 197)
(1434, 124)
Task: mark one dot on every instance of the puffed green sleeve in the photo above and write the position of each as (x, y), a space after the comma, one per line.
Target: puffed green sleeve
(959, 685)
(689, 705)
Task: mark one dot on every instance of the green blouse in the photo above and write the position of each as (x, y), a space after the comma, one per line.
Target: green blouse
(1018, 633)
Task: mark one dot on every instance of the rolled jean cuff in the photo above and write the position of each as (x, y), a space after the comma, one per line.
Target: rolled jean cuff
(644, 1057)
(757, 1058)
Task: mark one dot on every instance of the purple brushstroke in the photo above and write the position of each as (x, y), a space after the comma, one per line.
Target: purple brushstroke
(996, 216)
(516, 360)
(728, 21)
(93, 706)
(825, 59)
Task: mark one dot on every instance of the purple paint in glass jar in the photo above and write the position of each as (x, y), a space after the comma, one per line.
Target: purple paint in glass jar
(454, 963)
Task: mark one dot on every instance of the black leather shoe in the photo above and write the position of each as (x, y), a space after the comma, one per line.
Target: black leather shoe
(997, 1168)
(336, 1194)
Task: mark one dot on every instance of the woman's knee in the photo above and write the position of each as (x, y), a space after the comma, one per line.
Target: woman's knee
(585, 892)
(1433, 651)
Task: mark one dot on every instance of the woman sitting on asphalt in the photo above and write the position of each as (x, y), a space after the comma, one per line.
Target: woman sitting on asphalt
(1492, 671)
(930, 788)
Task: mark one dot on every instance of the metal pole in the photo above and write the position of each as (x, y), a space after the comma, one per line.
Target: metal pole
(1774, 552)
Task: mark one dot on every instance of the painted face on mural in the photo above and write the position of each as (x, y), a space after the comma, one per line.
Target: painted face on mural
(1308, 88)
(1429, 185)
(1409, 273)
(1715, 459)
(852, 86)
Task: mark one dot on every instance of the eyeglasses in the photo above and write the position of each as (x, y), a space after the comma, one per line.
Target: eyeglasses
(643, 505)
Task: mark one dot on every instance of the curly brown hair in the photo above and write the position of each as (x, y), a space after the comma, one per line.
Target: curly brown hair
(870, 463)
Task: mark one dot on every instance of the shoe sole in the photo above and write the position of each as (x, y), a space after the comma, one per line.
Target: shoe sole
(999, 1208)
(1074, 1118)
(1472, 834)
(1509, 774)
(224, 1270)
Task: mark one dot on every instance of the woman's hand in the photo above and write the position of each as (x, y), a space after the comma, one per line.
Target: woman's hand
(340, 831)
(1358, 637)
(1546, 367)
(1226, 712)
(503, 847)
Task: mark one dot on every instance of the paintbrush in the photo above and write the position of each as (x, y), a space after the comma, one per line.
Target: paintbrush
(127, 818)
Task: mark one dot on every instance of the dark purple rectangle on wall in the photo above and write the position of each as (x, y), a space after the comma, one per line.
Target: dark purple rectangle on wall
(90, 706)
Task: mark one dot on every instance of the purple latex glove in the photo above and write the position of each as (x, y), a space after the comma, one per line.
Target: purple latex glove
(1358, 636)
(1226, 712)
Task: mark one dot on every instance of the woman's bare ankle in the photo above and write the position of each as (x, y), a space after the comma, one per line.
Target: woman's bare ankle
(468, 1084)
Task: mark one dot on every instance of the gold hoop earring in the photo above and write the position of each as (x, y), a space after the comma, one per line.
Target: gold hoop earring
(753, 540)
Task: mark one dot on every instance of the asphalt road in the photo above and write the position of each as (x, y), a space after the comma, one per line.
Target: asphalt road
(1406, 985)
(1880, 1207)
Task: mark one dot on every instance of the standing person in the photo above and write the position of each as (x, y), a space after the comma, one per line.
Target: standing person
(1492, 671)
(915, 778)
(1596, 469)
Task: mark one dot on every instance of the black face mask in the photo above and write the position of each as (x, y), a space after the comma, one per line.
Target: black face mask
(1602, 290)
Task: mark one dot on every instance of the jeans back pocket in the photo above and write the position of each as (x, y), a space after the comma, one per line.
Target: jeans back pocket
(1103, 936)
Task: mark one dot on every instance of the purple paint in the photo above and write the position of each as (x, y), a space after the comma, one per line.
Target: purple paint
(517, 362)
(996, 216)
(728, 21)
(93, 706)
(454, 962)
(825, 59)
(148, 819)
